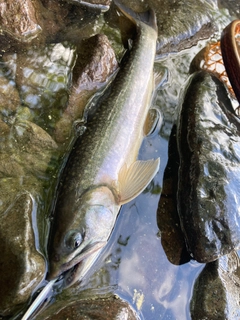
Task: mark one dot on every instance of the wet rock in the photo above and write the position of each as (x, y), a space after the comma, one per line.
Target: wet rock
(216, 291)
(181, 24)
(25, 157)
(35, 147)
(95, 64)
(95, 309)
(209, 173)
(53, 16)
(18, 19)
(31, 22)
(21, 265)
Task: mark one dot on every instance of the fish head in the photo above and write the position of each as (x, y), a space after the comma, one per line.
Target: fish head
(75, 246)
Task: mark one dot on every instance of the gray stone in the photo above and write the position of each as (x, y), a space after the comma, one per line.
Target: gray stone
(209, 174)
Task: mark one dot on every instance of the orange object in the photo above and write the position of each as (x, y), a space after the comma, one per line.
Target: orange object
(213, 62)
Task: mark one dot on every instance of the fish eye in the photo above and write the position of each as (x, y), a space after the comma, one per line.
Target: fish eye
(73, 239)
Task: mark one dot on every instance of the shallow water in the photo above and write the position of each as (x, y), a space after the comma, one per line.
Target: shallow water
(134, 265)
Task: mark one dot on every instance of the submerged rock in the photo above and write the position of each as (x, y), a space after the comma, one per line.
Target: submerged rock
(43, 76)
(216, 291)
(30, 22)
(95, 64)
(209, 173)
(22, 267)
(93, 309)
(24, 160)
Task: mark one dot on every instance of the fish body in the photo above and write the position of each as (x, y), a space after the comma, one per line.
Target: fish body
(102, 171)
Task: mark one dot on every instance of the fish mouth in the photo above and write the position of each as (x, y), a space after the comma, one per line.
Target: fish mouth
(70, 276)
(82, 263)
(71, 271)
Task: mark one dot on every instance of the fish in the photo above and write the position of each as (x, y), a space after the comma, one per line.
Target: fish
(103, 171)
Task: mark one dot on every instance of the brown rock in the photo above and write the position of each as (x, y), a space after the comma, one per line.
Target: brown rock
(216, 291)
(96, 309)
(96, 63)
(18, 19)
(21, 265)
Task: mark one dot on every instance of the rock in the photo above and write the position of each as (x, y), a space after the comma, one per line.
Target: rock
(22, 267)
(181, 24)
(95, 64)
(92, 309)
(209, 173)
(31, 22)
(34, 149)
(18, 19)
(177, 29)
(216, 291)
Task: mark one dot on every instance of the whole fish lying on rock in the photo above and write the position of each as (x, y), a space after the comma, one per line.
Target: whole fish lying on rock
(102, 172)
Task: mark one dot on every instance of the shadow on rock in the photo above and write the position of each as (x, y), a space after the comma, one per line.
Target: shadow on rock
(167, 216)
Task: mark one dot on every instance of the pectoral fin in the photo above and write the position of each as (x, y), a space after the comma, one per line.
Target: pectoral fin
(133, 180)
(153, 121)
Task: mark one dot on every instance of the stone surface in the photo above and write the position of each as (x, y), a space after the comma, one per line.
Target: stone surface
(21, 265)
(216, 291)
(95, 64)
(181, 24)
(209, 173)
(95, 309)
(18, 19)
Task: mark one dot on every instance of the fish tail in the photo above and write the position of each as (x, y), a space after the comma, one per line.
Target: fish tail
(148, 17)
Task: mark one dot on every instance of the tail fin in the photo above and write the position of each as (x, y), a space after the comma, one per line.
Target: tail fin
(147, 17)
